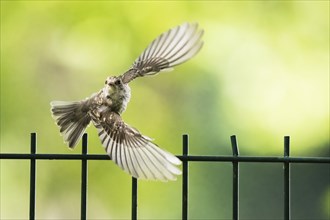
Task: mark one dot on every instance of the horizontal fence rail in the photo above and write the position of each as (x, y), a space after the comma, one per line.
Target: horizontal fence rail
(235, 159)
(189, 158)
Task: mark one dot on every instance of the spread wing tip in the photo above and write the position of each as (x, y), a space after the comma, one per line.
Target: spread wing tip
(133, 152)
(171, 48)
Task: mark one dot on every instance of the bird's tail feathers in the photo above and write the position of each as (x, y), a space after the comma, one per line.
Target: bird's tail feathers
(72, 118)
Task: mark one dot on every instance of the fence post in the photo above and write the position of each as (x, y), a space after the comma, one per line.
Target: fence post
(235, 178)
(185, 146)
(83, 209)
(286, 179)
(134, 198)
(33, 176)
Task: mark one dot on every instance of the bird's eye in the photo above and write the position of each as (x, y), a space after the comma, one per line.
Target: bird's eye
(117, 82)
(106, 82)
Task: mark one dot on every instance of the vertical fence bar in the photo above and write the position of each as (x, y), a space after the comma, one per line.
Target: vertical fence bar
(83, 209)
(235, 178)
(134, 198)
(185, 146)
(33, 145)
(286, 179)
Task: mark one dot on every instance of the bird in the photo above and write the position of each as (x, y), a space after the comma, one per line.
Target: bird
(132, 151)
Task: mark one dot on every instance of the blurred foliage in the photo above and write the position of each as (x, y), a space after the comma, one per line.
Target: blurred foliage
(263, 73)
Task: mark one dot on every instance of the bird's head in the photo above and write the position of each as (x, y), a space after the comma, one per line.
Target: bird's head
(114, 88)
(113, 84)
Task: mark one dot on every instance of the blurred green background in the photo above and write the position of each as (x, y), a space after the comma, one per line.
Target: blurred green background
(263, 73)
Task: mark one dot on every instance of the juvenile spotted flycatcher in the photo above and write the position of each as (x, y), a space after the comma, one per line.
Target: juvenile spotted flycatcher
(126, 146)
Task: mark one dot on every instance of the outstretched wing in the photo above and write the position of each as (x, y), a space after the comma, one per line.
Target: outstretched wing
(133, 152)
(171, 48)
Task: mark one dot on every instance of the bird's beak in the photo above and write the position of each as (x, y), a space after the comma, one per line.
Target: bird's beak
(108, 89)
(111, 87)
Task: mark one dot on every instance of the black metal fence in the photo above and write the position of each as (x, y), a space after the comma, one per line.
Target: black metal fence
(235, 159)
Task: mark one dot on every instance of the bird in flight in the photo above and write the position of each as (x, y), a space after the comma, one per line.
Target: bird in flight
(127, 147)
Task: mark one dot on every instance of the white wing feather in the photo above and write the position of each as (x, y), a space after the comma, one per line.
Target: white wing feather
(133, 152)
(171, 48)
